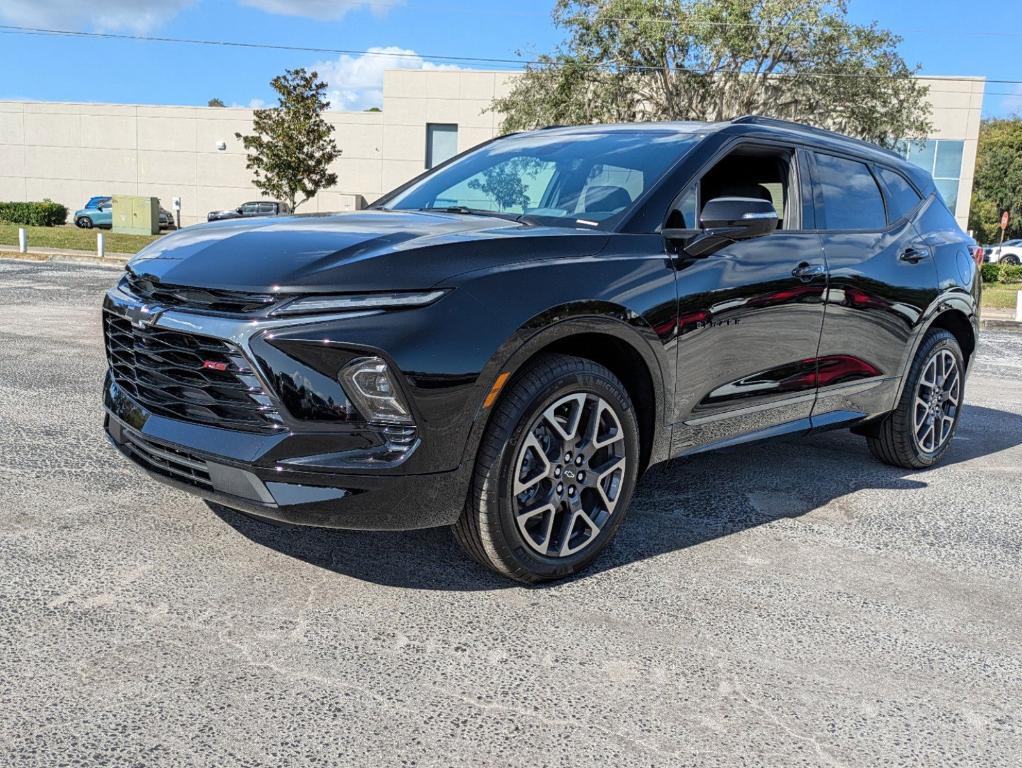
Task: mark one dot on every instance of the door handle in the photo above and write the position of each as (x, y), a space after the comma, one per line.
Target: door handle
(914, 254)
(806, 271)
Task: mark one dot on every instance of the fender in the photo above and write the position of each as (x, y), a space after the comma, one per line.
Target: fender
(565, 321)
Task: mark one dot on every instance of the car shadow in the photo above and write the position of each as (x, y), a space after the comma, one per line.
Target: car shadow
(677, 504)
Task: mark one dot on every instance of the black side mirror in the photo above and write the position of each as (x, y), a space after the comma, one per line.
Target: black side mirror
(726, 220)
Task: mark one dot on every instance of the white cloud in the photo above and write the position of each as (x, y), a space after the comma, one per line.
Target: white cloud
(1011, 104)
(108, 15)
(321, 9)
(356, 82)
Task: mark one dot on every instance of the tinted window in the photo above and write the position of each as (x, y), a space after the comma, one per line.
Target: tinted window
(851, 197)
(901, 197)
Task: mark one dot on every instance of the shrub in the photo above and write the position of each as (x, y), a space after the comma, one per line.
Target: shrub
(1011, 273)
(991, 273)
(34, 214)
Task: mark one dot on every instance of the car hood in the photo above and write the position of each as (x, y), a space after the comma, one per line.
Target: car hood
(358, 251)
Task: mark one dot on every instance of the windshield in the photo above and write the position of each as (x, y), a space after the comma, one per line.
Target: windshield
(589, 179)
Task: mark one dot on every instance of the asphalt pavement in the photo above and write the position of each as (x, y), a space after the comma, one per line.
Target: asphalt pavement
(790, 604)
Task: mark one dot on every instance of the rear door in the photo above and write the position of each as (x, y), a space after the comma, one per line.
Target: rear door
(882, 278)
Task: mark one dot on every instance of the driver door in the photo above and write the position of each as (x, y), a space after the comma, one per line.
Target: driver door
(750, 314)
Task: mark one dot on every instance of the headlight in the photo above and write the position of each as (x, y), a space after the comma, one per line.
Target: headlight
(367, 382)
(314, 304)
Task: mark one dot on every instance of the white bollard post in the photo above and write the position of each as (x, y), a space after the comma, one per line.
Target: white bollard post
(100, 245)
(22, 240)
(1018, 307)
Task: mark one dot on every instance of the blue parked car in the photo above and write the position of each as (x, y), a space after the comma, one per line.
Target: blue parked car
(98, 212)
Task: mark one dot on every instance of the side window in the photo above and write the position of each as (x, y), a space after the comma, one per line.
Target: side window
(249, 208)
(761, 173)
(901, 196)
(851, 197)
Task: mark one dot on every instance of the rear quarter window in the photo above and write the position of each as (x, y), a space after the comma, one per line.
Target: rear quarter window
(902, 197)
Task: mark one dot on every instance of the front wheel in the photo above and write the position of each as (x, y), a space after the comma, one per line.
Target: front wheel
(918, 432)
(555, 471)
(1011, 259)
(84, 222)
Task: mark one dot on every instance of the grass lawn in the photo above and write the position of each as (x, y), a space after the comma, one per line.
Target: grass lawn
(69, 236)
(1000, 296)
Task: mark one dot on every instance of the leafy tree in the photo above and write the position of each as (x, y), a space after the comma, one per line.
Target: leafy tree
(998, 182)
(292, 145)
(630, 60)
(215, 102)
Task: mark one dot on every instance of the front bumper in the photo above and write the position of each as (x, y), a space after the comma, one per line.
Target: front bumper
(177, 454)
(353, 475)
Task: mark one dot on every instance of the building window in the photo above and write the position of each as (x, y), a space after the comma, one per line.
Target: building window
(943, 159)
(441, 143)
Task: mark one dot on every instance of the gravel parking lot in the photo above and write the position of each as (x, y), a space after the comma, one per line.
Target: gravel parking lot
(788, 604)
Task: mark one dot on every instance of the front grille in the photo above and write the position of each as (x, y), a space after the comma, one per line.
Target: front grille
(167, 461)
(212, 300)
(186, 376)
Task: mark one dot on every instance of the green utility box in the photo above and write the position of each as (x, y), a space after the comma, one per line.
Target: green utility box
(136, 215)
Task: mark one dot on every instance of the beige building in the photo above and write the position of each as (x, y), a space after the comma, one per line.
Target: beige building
(70, 152)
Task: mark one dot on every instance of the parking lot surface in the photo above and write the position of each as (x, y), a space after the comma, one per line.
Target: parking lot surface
(787, 604)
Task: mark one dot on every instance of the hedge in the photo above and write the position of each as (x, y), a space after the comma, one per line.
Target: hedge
(34, 214)
(1011, 273)
(1002, 273)
(991, 273)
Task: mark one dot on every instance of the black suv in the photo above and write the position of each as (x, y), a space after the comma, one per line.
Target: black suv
(507, 342)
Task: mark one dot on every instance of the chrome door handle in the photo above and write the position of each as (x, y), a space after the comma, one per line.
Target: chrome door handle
(806, 271)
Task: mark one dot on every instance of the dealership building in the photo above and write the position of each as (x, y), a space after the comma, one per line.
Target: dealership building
(69, 152)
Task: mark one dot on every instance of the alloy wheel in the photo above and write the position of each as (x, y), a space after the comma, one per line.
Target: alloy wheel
(937, 401)
(569, 474)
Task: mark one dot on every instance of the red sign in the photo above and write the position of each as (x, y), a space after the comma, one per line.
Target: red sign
(1005, 218)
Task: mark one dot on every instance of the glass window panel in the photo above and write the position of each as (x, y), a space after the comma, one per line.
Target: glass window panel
(441, 143)
(851, 197)
(901, 197)
(921, 153)
(949, 159)
(514, 186)
(948, 189)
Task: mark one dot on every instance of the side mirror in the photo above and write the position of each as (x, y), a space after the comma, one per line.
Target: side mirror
(727, 220)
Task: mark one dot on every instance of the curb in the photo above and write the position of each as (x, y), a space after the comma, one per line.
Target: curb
(114, 261)
(1000, 325)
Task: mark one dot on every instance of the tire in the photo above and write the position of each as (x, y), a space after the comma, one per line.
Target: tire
(897, 440)
(83, 222)
(1011, 258)
(550, 409)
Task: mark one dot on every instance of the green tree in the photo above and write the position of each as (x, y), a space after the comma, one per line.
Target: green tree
(215, 102)
(292, 145)
(998, 182)
(631, 60)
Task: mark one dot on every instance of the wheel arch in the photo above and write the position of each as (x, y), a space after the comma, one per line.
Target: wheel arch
(624, 345)
(955, 313)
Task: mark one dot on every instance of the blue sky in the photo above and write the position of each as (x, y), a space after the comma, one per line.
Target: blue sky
(938, 35)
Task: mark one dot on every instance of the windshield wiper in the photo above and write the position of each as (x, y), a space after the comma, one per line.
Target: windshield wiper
(463, 209)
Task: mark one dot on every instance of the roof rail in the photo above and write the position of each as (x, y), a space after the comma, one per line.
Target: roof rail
(791, 125)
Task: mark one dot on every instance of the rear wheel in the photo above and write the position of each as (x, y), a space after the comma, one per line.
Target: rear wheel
(84, 222)
(918, 432)
(555, 471)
